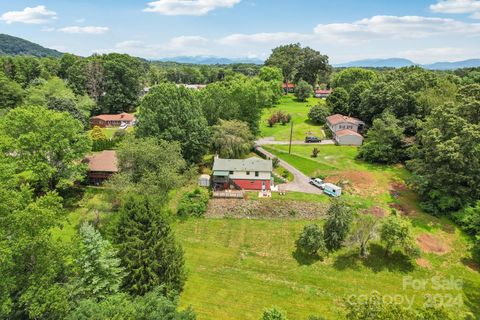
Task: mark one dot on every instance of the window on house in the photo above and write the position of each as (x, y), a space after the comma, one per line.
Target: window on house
(248, 173)
(256, 173)
(230, 172)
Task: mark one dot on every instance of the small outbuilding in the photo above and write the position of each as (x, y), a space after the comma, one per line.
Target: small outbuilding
(348, 138)
(204, 180)
(101, 166)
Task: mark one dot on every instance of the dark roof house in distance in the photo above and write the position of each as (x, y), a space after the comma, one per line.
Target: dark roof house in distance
(101, 166)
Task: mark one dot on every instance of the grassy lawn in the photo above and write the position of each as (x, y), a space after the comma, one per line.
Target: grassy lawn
(301, 125)
(237, 267)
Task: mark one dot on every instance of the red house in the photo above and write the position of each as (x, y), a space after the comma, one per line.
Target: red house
(319, 93)
(112, 120)
(245, 174)
(291, 87)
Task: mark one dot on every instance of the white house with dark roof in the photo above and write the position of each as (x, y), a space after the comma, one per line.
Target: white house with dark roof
(246, 174)
(345, 129)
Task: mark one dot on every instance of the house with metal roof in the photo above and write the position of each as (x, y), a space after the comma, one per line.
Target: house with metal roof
(244, 174)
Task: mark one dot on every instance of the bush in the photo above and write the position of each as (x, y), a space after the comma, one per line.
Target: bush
(273, 314)
(317, 114)
(303, 90)
(194, 204)
(311, 240)
(275, 162)
(315, 152)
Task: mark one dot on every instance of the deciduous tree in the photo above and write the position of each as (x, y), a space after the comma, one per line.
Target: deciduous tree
(337, 225)
(232, 139)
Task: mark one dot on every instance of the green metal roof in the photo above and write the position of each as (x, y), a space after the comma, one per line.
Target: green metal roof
(221, 173)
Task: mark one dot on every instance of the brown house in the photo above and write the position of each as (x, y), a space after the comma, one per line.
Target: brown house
(101, 166)
(112, 120)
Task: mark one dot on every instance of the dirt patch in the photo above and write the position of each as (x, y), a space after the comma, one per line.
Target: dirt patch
(431, 244)
(376, 211)
(423, 263)
(403, 210)
(356, 182)
(397, 188)
(473, 266)
(265, 209)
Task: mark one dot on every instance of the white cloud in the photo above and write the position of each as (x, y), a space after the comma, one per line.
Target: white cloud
(85, 30)
(182, 45)
(35, 15)
(188, 7)
(438, 54)
(476, 15)
(80, 20)
(456, 6)
(263, 38)
(394, 27)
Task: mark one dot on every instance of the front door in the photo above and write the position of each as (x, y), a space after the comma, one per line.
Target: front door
(264, 186)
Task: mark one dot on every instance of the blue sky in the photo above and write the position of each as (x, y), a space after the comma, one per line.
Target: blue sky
(422, 30)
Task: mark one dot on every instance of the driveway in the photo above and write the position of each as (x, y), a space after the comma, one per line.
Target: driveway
(300, 181)
(271, 140)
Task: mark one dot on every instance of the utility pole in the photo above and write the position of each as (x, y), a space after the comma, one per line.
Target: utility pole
(291, 133)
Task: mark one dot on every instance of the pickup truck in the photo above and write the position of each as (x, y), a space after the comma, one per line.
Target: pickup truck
(317, 182)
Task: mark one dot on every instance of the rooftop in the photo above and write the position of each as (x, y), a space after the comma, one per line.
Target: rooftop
(105, 161)
(250, 164)
(346, 132)
(115, 117)
(338, 118)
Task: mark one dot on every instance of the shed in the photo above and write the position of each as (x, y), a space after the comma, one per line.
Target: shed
(204, 180)
(332, 190)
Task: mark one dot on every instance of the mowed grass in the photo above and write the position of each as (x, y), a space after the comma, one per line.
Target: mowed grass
(372, 183)
(299, 112)
(237, 267)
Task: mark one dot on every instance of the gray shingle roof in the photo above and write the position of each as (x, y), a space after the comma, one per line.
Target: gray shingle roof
(250, 164)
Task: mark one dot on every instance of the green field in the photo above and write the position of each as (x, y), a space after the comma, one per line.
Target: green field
(301, 125)
(239, 267)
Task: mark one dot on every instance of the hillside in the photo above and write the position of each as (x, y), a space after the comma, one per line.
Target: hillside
(14, 46)
(210, 60)
(399, 63)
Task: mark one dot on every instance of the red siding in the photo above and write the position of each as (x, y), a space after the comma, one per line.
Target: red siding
(252, 184)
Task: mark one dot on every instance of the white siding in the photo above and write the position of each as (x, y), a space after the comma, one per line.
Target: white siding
(262, 175)
(349, 140)
(344, 125)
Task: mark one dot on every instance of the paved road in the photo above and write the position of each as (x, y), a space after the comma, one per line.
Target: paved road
(300, 181)
(266, 141)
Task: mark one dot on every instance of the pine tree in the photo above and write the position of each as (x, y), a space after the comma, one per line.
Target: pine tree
(148, 249)
(100, 273)
(335, 229)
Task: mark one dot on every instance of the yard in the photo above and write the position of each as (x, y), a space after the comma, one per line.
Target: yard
(239, 266)
(301, 125)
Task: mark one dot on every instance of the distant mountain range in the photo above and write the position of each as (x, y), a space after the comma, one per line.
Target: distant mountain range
(210, 60)
(399, 63)
(10, 45)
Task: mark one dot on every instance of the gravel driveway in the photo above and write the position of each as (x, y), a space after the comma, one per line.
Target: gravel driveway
(300, 181)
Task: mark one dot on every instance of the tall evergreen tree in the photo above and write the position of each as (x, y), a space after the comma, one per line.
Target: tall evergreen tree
(99, 271)
(148, 249)
(335, 229)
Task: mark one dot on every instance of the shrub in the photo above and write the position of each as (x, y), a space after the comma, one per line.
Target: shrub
(275, 162)
(194, 204)
(311, 240)
(303, 90)
(273, 314)
(317, 114)
(315, 152)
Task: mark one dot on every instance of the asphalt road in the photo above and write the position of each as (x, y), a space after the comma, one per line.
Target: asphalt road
(265, 141)
(300, 181)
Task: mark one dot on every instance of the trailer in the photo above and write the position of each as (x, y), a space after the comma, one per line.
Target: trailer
(332, 190)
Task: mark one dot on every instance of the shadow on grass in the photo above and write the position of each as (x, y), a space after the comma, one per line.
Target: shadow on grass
(305, 259)
(376, 261)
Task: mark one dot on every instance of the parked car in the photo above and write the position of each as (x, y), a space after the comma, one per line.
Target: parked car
(317, 182)
(312, 139)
